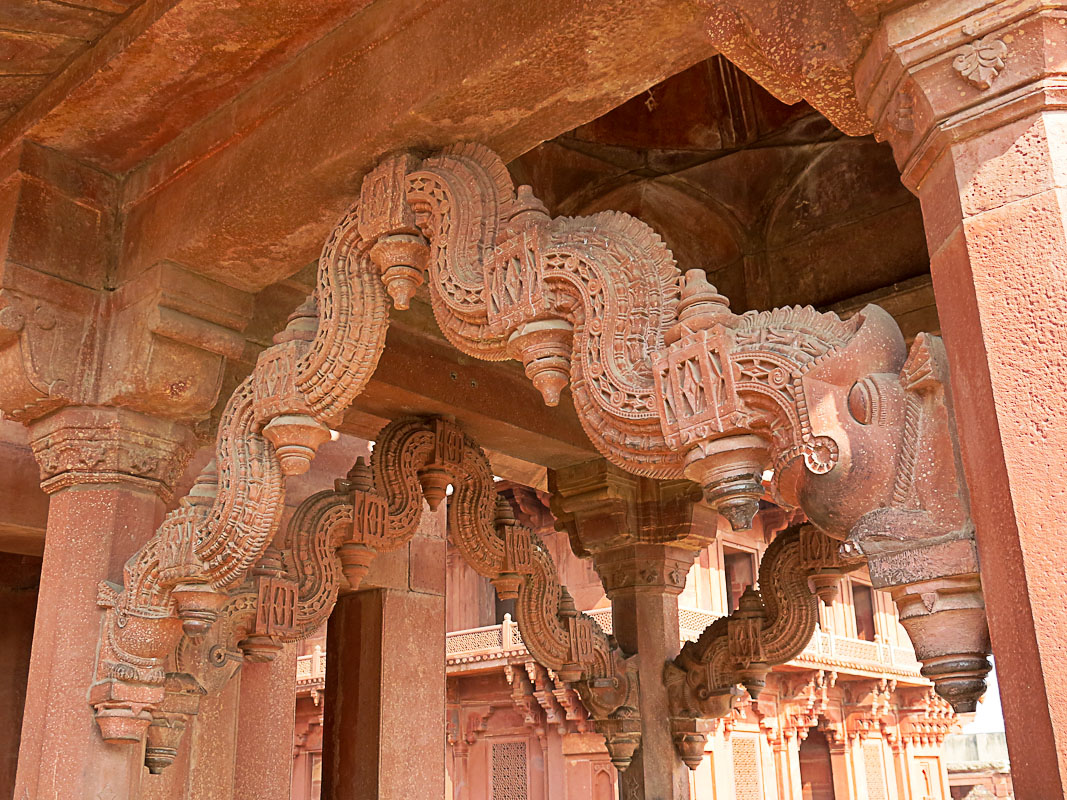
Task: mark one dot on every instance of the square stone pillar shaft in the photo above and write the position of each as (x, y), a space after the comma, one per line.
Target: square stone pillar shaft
(384, 702)
(646, 582)
(972, 103)
(642, 536)
(267, 717)
(106, 471)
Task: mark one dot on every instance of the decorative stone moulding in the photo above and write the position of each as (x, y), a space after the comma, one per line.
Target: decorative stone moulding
(668, 384)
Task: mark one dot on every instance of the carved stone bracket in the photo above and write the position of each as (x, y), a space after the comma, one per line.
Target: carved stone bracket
(45, 326)
(210, 556)
(769, 627)
(667, 381)
(379, 506)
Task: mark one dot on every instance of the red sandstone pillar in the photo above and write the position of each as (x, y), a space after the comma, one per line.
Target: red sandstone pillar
(643, 583)
(107, 471)
(266, 718)
(384, 702)
(19, 579)
(972, 105)
(642, 536)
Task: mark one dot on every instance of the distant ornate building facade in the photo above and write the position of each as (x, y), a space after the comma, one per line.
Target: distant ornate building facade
(849, 719)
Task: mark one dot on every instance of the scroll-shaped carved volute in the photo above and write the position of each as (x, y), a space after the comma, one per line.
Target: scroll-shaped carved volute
(567, 641)
(771, 626)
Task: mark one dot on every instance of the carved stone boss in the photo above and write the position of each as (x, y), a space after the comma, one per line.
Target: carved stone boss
(667, 382)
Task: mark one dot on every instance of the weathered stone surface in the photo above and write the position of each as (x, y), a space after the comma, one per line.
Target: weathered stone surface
(971, 110)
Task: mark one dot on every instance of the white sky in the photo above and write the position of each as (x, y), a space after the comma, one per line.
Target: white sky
(989, 718)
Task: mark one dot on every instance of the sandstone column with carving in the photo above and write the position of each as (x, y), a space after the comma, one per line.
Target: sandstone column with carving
(109, 384)
(108, 473)
(970, 97)
(642, 536)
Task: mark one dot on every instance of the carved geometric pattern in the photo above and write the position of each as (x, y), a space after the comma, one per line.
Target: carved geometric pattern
(482, 639)
(746, 767)
(509, 774)
(874, 769)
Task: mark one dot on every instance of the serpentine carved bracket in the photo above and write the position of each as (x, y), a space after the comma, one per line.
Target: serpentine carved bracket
(378, 507)
(204, 553)
(770, 626)
(669, 383)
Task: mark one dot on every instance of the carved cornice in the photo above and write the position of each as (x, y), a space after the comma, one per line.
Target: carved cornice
(83, 445)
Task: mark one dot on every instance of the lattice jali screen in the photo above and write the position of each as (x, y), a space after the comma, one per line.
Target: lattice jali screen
(509, 779)
(857, 649)
(475, 640)
(872, 767)
(746, 767)
(602, 617)
(693, 621)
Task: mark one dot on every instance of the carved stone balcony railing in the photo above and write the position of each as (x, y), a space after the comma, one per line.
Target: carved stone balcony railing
(311, 670)
(495, 644)
(858, 655)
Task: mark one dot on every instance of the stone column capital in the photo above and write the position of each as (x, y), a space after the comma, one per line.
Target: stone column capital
(166, 336)
(658, 568)
(603, 508)
(80, 445)
(938, 73)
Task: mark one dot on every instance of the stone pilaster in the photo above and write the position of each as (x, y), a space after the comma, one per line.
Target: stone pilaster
(971, 98)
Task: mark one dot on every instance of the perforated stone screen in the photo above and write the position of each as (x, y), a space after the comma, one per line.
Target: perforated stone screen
(509, 778)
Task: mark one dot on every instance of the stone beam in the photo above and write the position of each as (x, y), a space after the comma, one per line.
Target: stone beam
(495, 403)
(252, 191)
